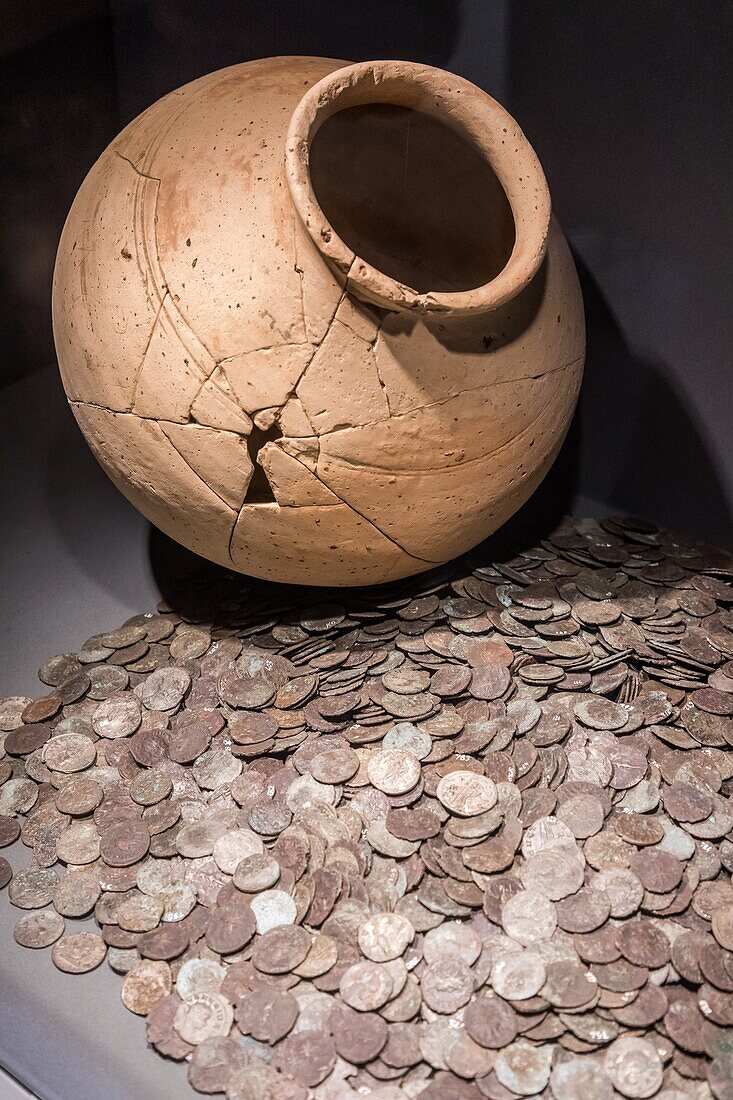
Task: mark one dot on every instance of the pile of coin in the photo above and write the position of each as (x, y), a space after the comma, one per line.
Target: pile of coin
(469, 835)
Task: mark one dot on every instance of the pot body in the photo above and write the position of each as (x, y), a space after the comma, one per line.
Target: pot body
(255, 405)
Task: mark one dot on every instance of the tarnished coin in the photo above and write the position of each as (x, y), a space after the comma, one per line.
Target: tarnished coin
(199, 976)
(166, 942)
(256, 873)
(466, 793)
(32, 887)
(393, 771)
(447, 985)
(529, 917)
(125, 844)
(642, 943)
(273, 908)
(366, 986)
(146, 984)
(150, 787)
(203, 1016)
(519, 975)
(231, 847)
(267, 1014)
(11, 709)
(214, 1062)
(9, 831)
(490, 1022)
(358, 1036)
(452, 939)
(39, 929)
(164, 689)
(79, 796)
(6, 872)
(490, 680)
(634, 1067)
(523, 1069)
(117, 716)
(78, 843)
(334, 765)
(17, 796)
(77, 892)
(78, 952)
(237, 690)
(385, 936)
(308, 1057)
(600, 714)
(581, 1079)
(69, 752)
(281, 949)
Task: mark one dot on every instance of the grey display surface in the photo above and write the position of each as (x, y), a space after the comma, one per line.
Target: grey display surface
(76, 558)
(69, 1037)
(73, 552)
(10, 1089)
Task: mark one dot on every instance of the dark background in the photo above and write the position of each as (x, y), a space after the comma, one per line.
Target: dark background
(628, 104)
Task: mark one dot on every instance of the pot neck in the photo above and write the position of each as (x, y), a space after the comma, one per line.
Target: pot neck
(473, 115)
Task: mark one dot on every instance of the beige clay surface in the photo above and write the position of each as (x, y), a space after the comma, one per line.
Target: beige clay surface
(316, 321)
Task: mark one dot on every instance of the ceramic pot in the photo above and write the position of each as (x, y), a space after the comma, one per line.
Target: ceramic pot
(316, 321)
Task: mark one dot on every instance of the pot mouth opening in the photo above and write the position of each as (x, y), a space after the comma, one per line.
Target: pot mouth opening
(418, 188)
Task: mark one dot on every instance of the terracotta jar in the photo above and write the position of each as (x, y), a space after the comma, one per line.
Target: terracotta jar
(316, 321)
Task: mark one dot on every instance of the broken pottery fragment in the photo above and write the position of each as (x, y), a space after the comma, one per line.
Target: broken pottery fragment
(316, 321)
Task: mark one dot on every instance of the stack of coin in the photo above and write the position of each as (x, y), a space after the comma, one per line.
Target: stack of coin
(468, 835)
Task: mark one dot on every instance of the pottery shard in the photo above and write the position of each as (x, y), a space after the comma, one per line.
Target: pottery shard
(524, 336)
(266, 377)
(216, 407)
(173, 369)
(291, 481)
(483, 471)
(320, 291)
(219, 458)
(237, 283)
(341, 387)
(295, 425)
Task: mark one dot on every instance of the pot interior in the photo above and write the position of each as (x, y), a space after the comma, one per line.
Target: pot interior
(411, 197)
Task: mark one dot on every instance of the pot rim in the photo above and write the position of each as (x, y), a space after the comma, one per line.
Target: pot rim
(470, 112)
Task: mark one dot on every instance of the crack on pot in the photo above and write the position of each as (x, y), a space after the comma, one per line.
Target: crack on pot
(375, 358)
(138, 373)
(350, 506)
(143, 175)
(452, 397)
(128, 412)
(193, 470)
(299, 272)
(343, 294)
